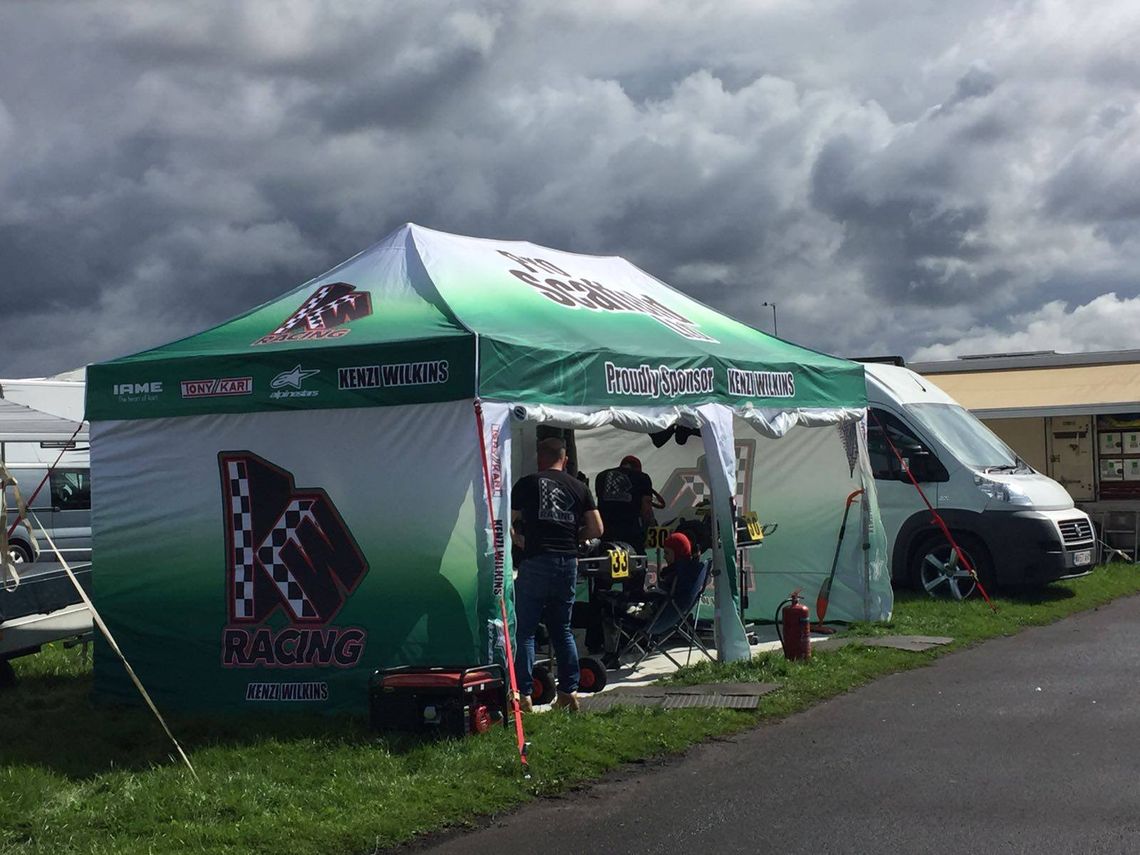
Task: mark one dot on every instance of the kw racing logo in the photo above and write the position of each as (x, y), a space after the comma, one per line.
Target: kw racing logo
(323, 315)
(289, 558)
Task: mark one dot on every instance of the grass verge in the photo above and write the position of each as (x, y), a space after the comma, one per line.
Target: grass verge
(76, 777)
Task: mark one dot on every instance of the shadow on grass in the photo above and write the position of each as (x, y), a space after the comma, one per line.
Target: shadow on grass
(52, 721)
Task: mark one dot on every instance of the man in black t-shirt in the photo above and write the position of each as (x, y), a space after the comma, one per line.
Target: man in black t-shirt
(551, 513)
(625, 502)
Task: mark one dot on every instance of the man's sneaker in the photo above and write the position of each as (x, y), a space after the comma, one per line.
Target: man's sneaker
(526, 704)
(567, 701)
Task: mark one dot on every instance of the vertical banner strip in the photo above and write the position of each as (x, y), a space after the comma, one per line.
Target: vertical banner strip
(491, 435)
(720, 454)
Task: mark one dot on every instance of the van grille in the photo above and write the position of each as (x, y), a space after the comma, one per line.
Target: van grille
(1076, 531)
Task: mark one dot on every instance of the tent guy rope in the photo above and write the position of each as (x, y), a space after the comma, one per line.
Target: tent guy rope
(115, 647)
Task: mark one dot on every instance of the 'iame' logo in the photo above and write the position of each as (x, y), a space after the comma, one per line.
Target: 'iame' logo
(323, 315)
(288, 552)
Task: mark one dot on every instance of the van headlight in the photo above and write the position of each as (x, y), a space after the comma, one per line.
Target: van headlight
(1001, 492)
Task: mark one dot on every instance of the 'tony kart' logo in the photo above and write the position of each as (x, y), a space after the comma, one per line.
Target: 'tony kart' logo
(323, 315)
(217, 387)
(288, 552)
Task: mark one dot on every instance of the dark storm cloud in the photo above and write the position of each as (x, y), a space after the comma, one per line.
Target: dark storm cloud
(913, 242)
(967, 170)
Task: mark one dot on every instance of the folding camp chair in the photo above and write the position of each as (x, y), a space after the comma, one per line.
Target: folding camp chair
(671, 619)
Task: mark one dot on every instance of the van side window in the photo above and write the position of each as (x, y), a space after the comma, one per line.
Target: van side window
(885, 465)
(71, 489)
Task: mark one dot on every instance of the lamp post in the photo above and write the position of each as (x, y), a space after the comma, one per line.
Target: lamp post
(775, 329)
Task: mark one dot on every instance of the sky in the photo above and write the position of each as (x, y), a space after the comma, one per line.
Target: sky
(921, 178)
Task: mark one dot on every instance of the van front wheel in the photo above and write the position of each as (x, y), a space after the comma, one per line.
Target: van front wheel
(938, 571)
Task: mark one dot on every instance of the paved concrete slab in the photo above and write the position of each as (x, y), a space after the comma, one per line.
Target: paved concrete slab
(913, 643)
(1025, 744)
(734, 695)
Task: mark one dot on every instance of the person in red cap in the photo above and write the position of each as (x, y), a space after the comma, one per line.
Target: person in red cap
(625, 500)
(676, 548)
(679, 572)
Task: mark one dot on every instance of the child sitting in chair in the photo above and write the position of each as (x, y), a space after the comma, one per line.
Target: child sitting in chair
(680, 566)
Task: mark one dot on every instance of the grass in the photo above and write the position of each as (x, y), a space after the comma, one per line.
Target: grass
(79, 777)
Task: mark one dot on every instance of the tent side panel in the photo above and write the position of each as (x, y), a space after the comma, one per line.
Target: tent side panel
(801, 481)
(274, 560)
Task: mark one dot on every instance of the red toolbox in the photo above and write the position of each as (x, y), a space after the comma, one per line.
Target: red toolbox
(441, 700)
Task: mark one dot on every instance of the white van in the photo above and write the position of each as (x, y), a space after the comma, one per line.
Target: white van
(62, 508)
(1017, 527)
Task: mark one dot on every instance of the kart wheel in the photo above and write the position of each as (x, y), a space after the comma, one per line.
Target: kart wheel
(7, 674)
(591, 675)
(544, 688)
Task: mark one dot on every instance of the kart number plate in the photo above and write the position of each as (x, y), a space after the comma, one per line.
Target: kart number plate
(655, 536)
(1080, 559)
(619, 563)
(755, 531)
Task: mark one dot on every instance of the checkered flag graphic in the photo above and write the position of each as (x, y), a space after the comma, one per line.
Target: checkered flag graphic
(745, 454)
(850, 445)
(288, 549)
(329, 306)
(241, 523)
(696, 485)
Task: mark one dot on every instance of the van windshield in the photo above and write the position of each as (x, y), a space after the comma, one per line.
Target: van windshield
(964, 436)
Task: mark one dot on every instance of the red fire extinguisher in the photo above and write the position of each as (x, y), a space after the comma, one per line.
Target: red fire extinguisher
(794, 628)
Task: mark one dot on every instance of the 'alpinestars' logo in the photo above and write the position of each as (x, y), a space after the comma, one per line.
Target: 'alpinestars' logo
(287, 551)
(323, 315)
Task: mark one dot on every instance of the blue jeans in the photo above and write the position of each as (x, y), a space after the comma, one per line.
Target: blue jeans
(545, 587)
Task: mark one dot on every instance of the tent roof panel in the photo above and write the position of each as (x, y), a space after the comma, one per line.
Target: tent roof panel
(378, 296)
(524, 294)
(557, 327)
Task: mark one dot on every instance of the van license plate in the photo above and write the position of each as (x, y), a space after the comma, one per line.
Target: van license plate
(1080, 559)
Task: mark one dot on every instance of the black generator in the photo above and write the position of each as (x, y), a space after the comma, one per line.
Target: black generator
(442, 701)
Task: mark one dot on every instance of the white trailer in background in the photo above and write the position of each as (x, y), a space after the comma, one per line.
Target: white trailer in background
(60, 395)
(38, 600)
(1073, 416)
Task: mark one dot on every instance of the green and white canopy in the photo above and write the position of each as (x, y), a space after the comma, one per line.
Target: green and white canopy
(290, 500)
(425, 316)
